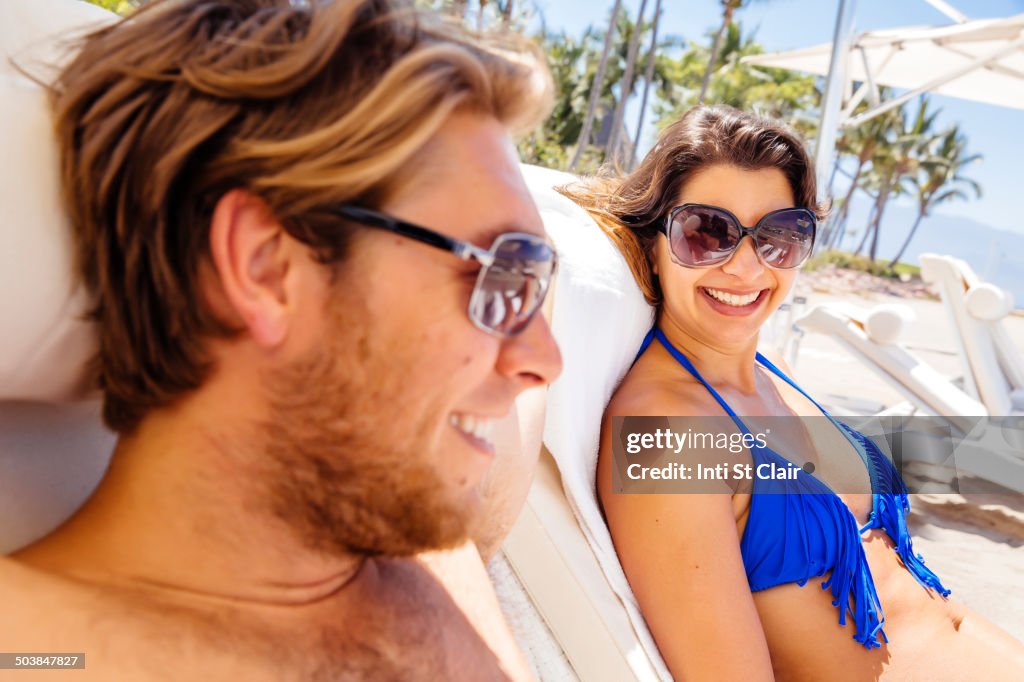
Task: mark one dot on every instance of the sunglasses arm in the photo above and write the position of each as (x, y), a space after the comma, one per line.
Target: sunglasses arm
(371, 218)
(467, 251)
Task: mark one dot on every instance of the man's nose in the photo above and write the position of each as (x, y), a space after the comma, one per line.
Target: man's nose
(531, 357)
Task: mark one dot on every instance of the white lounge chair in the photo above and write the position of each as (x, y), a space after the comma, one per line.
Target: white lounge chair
(871, 337)
(980, 443)
(993, 367)
(560, 548)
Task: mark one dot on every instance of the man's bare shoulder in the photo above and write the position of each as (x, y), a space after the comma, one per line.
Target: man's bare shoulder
(31, 599)
(394, 622)
(121, 636)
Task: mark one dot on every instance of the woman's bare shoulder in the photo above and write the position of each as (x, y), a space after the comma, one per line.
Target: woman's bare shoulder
(646, 391)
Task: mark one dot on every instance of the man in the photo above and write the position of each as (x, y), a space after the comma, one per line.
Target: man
(317, 272)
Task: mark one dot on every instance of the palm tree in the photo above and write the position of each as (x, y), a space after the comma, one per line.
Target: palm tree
(939, 180)
(595, 88)
(648, 77)
(777, 93)
(728, 8)
(626, 84)
(860, 142)
(894, 164)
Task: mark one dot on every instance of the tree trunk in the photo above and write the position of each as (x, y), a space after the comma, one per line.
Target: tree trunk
(906, 243)
(595, 89)
(835, 171)
(883, 199)
(715, 45)
(625, 86)
(864, 240)
(837, 241)
(648, 77)
(506, 12)
(480, 15)
(844, 210)
(868, 228)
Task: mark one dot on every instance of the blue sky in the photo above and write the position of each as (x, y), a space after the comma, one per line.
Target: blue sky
(995, 132)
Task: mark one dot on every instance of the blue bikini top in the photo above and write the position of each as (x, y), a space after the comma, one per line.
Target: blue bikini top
(794, 537)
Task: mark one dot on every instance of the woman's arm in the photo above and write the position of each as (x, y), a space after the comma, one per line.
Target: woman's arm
(682, 557)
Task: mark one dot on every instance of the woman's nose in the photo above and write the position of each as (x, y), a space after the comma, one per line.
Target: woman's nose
(744, 261)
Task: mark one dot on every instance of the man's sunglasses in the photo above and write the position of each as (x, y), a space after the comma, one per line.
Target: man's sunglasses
(702, 236)
(515, 274)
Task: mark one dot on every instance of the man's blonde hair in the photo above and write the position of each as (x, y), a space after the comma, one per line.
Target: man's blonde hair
(304, 103)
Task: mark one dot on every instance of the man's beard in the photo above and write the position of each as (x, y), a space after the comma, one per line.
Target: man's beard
(346, 468)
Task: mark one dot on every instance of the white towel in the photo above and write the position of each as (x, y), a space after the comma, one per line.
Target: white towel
(45, 343)
(600, 318)
(542, 650)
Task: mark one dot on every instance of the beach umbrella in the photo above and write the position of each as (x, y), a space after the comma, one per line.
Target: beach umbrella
(980, 60)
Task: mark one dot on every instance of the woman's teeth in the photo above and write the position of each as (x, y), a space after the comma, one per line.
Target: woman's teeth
(478, 427)
(732, 299)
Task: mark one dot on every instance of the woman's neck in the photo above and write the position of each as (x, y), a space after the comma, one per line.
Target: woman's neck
(720, 365)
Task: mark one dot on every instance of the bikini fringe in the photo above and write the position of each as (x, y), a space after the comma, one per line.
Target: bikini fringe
(851, 577)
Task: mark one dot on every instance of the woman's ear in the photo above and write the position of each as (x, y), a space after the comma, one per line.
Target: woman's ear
(251, 256)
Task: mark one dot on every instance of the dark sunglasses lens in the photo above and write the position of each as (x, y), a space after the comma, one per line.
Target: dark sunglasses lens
(702, 235)
(513, 287)
(784, 239)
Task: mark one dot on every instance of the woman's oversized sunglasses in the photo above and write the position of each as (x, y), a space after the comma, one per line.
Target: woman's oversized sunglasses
(702, 236)
(515, 274)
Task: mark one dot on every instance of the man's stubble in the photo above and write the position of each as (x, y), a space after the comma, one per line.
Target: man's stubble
(348, 468)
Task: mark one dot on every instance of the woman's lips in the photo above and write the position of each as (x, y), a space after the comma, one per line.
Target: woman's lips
(734, 305)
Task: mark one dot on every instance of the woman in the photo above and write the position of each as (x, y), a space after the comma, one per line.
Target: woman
(745, 585)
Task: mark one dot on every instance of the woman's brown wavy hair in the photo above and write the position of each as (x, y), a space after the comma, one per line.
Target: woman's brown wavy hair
(303, 103)
(631, 209)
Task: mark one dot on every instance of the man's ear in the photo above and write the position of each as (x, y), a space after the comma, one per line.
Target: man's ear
(251, 256)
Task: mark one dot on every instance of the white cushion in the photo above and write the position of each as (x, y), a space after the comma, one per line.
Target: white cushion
(45, 343)
(51, 456)
(40, 35)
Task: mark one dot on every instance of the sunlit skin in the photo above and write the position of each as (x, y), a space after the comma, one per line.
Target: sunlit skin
(681, 551)
(183, 559)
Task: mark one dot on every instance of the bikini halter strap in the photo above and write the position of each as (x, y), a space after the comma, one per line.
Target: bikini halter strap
(656, 333)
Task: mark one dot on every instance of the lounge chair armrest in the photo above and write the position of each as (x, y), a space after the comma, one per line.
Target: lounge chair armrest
(988, 302)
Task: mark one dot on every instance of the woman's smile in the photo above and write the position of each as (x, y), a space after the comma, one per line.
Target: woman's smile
(733, 303)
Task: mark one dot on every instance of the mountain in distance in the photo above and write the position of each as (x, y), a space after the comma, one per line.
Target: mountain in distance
(996, 255)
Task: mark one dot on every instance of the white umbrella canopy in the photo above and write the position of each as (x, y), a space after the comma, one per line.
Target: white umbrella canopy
(981, 60)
